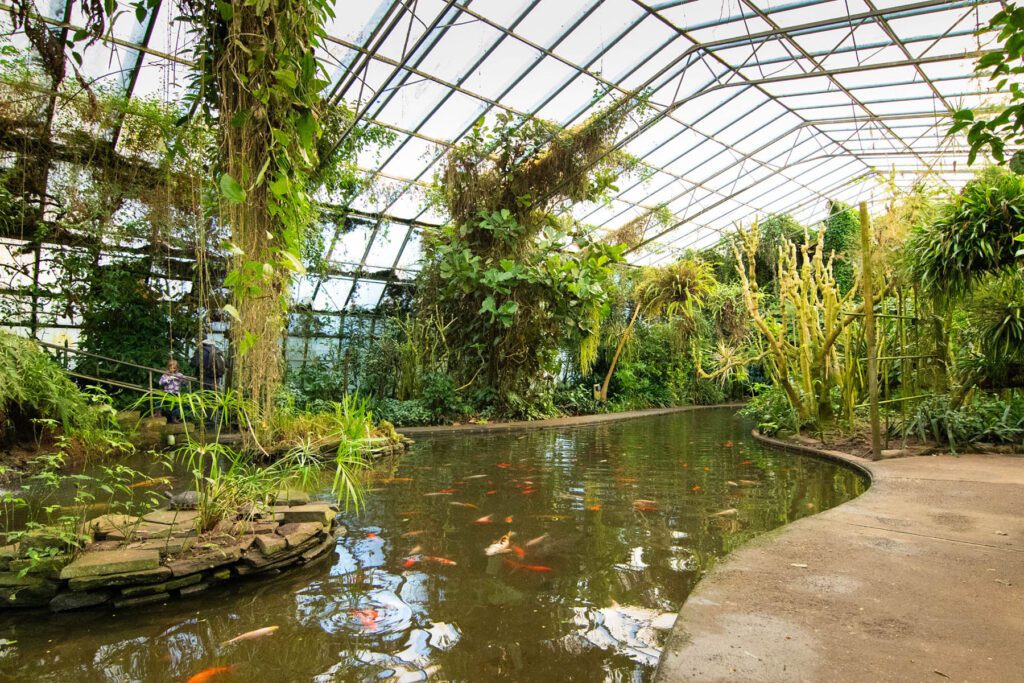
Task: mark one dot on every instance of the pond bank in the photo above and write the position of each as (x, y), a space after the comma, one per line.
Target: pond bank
(920, 578)
(551, 423)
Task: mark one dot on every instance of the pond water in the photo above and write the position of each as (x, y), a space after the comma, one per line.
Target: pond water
(625, 514)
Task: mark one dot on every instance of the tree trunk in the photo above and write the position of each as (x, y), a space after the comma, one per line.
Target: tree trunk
(618, 351)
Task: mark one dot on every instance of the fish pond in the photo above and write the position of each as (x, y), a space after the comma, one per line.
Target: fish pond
(548, 555)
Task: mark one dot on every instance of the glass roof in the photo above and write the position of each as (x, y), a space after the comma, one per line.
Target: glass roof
(757, 106)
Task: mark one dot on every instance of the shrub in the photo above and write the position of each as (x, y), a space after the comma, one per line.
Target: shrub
(411, 413)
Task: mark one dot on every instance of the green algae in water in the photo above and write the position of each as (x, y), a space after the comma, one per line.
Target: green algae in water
(627, 515)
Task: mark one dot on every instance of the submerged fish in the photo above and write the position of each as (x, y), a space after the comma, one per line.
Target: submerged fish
(460, 504)
(747, 482)
(208, 674)
(486, 519)
(747, 462)
(644, 505)
(594, 508)
(159, 481)
(476, 476)
(726, 513)
(411, 534)
(501, 546)
(516, 566)
(440, 493)
(492, 492)
(367, 618)
(503, 465)
(440, 560)
(508, 520)
(410, 561)
(252, 635)
(535, 541)
(727, 444)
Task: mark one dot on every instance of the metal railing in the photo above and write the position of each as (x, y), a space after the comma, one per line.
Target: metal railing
(63, 352)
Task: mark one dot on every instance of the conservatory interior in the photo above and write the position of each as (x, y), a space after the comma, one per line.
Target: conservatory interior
(480, 340)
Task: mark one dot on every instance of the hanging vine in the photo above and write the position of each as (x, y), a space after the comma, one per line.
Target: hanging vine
(259, 80)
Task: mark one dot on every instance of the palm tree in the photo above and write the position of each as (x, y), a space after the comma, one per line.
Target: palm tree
(675, 289)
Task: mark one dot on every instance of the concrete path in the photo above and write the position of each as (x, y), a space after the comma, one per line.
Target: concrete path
(919, 579)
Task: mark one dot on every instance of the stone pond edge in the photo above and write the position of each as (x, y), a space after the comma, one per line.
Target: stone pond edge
(861, 465)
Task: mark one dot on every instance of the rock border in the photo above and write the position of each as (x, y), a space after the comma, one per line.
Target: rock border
(136, 561)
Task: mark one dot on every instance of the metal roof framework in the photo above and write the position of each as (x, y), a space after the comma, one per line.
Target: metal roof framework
(756, 106)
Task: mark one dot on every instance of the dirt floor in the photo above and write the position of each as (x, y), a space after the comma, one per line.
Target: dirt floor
(919, 579)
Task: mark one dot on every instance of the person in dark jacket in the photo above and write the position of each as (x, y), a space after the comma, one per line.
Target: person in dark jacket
(209, 363)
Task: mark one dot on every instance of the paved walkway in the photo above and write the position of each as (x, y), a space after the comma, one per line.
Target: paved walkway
(919, 579)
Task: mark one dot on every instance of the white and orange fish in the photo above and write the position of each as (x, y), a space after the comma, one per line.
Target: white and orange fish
(252, 635)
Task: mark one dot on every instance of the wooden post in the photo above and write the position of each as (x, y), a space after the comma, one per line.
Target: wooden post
(869, 329)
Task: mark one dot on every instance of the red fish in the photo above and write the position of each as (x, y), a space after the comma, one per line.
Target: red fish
(503, 465)
(370, 534)
(527, 492)
(728, 444)
(367, 618)
(440, 560)
(409, 562)
(508, 520)
(516, 566)
(447, 491)
(209, 674)
(594, 508)
(518, 551)
(746, 462)
(695, 488)
(486, 519)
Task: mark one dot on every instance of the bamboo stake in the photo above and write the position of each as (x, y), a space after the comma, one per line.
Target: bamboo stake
(869, 323)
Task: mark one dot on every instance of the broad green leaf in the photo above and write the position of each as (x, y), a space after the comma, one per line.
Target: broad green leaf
(231, 190)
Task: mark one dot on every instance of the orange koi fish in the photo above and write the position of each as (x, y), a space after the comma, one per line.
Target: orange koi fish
(594, 508)
(411, 534)
(695, 488)
(159, 481)
(516, 566)
(208, 674)
(486, 519)
(252, 635)
(367, 618)
(527, 492)
(503, 465)
(508, 520)
(727, 444)
(492, 492)
(746, 462)
(520, 553)
(409, 562)
(460, 504)
(440, 560)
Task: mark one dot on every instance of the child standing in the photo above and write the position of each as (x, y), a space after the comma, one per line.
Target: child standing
(170, 382)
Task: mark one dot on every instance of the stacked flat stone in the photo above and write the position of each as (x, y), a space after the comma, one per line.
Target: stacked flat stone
(137, 561)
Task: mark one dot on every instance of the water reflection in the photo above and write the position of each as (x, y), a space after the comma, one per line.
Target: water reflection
(611, 527)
